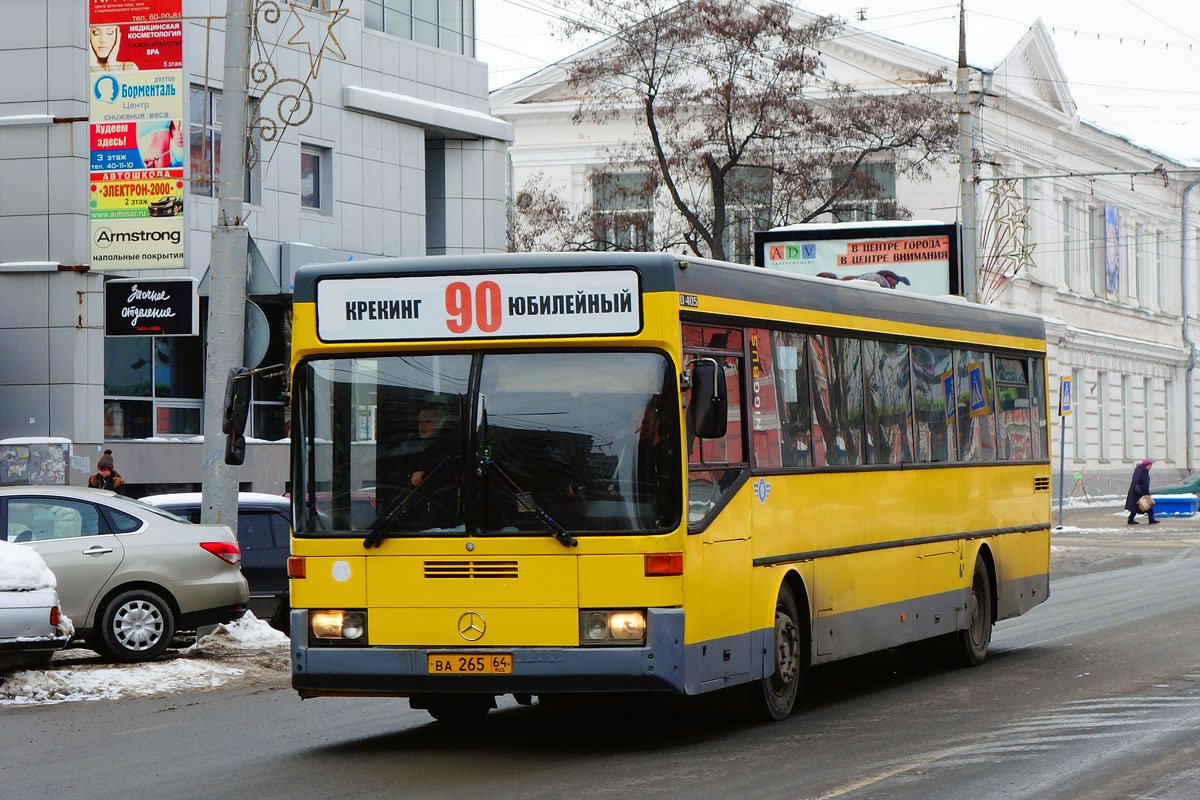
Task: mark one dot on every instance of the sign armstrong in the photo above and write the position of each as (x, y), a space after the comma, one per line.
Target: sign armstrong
(157, 307)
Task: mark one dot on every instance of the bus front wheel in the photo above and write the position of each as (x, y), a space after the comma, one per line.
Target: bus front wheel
(456, 709)
(773, 697)
(972, 641)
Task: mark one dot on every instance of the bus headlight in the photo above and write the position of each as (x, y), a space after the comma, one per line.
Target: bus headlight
(612, 627)
(337, 624)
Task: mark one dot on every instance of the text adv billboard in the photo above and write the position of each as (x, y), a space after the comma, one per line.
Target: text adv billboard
(921, 258)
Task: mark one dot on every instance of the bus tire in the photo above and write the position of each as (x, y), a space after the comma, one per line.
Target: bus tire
(971, 643)
(772, 698)
(459, 709)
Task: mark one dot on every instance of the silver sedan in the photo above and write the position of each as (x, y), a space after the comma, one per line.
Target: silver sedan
(129, 575)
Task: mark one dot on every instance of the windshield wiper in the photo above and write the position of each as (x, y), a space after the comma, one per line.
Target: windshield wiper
(557, 531)
(386, 519)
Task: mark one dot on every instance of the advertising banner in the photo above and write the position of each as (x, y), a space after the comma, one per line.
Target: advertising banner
(136, 163)
(155, 307)
(921, 258)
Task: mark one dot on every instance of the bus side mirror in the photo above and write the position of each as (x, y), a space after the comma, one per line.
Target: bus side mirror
(233, 421)
(709, 403)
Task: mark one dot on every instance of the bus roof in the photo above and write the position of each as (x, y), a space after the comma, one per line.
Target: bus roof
(662, 272)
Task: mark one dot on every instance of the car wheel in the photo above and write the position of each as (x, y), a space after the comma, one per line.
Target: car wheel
(281, 620)
(136, 626)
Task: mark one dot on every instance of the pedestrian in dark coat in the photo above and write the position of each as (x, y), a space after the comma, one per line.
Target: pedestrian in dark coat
(106, 477)
(1139, 487)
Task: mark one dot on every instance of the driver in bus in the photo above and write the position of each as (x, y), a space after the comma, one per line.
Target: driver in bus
(434, 471)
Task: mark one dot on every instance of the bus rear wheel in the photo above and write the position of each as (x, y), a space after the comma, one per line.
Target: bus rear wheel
(972, 642)
(772, 698)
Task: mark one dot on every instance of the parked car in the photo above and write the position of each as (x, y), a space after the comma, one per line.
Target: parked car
(264, 531)
(167, 206)
(129, 574)
(1189, 485)
(32, 626)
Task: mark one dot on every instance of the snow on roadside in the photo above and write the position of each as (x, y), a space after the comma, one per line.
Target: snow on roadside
(212, 662)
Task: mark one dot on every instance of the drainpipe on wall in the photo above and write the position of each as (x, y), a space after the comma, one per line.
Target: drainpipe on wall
(1183, 298)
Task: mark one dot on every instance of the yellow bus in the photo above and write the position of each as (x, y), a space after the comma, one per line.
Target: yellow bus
(612, 472)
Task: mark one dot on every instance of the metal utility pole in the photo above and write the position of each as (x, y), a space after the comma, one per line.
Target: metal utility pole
(966, 161)
(227, 270)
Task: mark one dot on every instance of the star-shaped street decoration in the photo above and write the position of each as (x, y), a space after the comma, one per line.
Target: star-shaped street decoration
(301, 38)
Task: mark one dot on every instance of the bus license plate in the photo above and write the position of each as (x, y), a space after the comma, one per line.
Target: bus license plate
(470, 664)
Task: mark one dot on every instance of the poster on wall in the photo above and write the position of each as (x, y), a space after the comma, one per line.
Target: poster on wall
(135, 110)
(916, 257)
(1112, 249)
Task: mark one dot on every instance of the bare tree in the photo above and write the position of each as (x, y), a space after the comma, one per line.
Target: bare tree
(738, 121)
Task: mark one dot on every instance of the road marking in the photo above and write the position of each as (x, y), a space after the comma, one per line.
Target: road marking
(143, 730)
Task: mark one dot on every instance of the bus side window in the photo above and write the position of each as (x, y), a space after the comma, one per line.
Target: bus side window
(793, 409)
(886, 392)
(1037, 406)
(715, 464)
(933, 383)
(1014, 439)
(976, 406)
(837, 387)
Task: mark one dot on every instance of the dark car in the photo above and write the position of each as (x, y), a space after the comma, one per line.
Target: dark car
(264, 528)
(167, 206)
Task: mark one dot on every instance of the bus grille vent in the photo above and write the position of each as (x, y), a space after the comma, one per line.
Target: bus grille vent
(1041, 484)
(470, 569)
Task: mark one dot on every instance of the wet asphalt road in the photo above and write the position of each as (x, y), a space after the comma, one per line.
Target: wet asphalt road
(1094, 694)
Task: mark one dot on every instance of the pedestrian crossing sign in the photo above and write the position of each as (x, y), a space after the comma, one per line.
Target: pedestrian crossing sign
(1064, 397)
(978, 394)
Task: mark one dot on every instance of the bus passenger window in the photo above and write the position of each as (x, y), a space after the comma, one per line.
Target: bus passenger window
(933, 420)
(837, 400)
(976, 406)
(1013, 431)
(766, 441)
(889, 423)
(794, 410)
(1037, 406)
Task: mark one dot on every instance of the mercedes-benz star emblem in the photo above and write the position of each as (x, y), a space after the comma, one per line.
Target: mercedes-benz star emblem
(471, 626)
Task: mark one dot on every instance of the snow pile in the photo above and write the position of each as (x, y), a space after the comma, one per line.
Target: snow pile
(112, 683)
(247, 633)
(248, 650)
(22, 569)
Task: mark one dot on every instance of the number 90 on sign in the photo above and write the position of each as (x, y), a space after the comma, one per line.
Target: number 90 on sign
(470, 664)
(479, 308)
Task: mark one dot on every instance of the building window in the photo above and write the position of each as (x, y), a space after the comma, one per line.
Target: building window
(1160, 269)
(153, 386)
(1169, 427)
(1079, 412)
(446, 24)
(1096, 250)
(747, 209)
(1141, 286)
(1102, 415)
(624, 210)
(870, 193)
(316, 178)
(1126, 418)
(1068, 244)
(1147, 417)
(204, 110)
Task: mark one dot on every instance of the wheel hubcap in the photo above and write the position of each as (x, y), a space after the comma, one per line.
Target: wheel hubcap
(138, 625)
(787, 645)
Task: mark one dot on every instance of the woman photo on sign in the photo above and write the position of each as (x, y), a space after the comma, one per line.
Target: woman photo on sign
(104, 43)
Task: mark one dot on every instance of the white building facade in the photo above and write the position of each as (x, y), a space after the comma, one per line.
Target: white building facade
(400, 156)
(1127, 345)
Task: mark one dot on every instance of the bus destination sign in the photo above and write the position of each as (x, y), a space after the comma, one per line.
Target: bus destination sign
(476, 306)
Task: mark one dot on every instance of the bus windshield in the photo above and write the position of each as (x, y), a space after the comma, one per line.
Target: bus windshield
(488, 444)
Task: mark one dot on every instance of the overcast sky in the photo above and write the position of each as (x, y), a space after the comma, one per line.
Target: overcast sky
(1132, 64)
